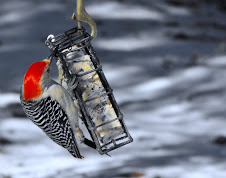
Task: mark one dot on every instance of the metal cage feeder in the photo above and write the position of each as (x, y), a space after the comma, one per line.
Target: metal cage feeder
(100, 112)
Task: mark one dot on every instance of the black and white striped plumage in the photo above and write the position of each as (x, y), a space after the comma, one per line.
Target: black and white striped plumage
(50, 107)
(48, 115)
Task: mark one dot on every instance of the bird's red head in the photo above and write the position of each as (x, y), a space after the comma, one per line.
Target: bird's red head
(32, 87)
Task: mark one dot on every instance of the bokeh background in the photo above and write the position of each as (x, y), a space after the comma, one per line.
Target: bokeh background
(165, 60)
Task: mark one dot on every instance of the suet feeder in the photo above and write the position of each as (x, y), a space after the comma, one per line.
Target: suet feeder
(88, 85)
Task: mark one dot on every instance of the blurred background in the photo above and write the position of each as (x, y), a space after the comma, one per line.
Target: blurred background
(166, 62)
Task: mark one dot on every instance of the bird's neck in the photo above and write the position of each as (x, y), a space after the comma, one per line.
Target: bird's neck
(44, 82)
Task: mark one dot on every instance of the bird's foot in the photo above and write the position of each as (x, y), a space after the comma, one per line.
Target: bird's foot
(61, 72)
(80, 135)
(72, 84)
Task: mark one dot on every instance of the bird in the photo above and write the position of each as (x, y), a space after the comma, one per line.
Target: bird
(49, 106)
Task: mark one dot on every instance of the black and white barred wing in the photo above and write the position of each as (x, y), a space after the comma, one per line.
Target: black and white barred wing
(52, 119)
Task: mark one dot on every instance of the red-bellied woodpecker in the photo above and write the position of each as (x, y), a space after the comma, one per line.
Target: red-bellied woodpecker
(50, 107)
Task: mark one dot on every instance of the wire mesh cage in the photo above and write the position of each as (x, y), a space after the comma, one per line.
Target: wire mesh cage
(82, 69)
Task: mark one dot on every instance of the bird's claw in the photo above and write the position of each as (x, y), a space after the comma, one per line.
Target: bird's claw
(80, 135)
(72, 84)
(61, 71)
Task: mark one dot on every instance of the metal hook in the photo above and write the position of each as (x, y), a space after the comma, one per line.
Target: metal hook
(83, 16)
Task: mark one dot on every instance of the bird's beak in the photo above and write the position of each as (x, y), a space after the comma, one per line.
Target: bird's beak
(48, 62)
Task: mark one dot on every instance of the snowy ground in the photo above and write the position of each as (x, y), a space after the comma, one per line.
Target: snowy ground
(166, 62)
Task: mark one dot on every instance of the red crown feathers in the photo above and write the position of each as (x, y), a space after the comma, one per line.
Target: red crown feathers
(32, 87)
